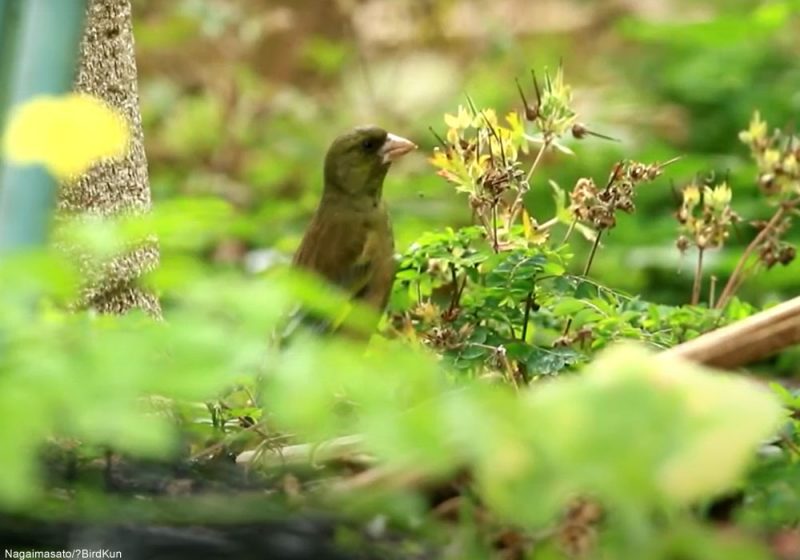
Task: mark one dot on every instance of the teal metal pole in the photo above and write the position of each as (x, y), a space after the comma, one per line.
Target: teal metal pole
(47, 39)
(9, 24)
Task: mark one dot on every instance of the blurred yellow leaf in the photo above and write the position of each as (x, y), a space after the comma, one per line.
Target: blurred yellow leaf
(460, 121)
(771, 157)
(691, 195)
(719, 197)
(531, 229)
(487, 117)
(756, 132)
(440, 159)
(66, 134)
(516, 127)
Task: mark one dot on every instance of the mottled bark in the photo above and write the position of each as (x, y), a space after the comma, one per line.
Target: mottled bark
(107, 69)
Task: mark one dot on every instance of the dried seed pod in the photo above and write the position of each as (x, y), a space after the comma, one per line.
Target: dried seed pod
(767, 255)
(579, 131)
(637, 171)
(531, 110)
(787, 254)
(653, 171)
(768, 183)
(626, 205)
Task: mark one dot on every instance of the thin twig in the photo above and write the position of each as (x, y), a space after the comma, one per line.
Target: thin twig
(590, 260)
(456, 291)
(735, 280)
(496, 241)
(569, 231)
(535, 164)
(712, 292)
(439, 139)
(527, 315)
(698, 277)
(461, 289)
(517, 204)
(547, 225)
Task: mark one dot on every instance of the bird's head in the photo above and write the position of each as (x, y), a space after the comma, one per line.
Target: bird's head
(357, 162)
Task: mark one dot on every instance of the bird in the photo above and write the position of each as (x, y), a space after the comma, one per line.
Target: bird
(349, 241)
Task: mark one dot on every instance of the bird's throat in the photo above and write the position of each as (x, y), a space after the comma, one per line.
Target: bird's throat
(362, 202)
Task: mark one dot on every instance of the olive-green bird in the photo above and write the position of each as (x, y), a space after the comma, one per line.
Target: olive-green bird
(349, 241)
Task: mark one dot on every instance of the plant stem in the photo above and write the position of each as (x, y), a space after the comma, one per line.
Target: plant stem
(515, 206)
(487, 227)
(698, 277)
(537, 159)
(586, 269)
(590, 260)
(458, 290)
(495, 241)
(527, 315)
(454, 299)
(569, 231)
(548, 224)
(712, 291)
(735, 281)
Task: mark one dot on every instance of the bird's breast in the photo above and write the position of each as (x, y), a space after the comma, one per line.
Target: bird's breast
(379, 240)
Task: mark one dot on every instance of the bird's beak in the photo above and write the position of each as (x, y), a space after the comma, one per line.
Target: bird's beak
(395, 147)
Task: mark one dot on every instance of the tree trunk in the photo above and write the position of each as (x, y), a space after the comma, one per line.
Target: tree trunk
(107, 70)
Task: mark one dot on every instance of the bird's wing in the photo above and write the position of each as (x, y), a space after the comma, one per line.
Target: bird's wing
(338, 250)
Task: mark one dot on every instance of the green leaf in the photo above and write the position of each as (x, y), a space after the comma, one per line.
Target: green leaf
(568, 306)
(542, 361)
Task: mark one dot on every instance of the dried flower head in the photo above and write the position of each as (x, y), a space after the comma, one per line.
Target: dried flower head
(705, 216)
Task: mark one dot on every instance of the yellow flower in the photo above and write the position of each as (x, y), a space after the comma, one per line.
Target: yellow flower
(453, 137)
(517, 131)
(790, 164)
(531, 229)
(756, 131)
(719, 197)
(460, 121)
(771, 157)
(66, 134)
(487, 117)
(691, 195)
(440, 159)
(516, 128)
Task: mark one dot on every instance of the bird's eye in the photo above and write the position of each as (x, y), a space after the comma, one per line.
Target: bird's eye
(369, 144)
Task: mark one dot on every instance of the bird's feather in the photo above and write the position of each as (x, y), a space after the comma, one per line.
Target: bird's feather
(353, 251)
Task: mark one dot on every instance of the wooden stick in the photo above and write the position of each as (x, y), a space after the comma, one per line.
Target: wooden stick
(745, 341)
(330, 450)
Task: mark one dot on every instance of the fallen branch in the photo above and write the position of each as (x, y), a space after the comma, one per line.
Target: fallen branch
(349, 447)
(745, 341)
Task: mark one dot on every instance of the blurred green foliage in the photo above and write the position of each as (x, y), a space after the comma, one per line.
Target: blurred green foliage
(632, 433)
(239, 103)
